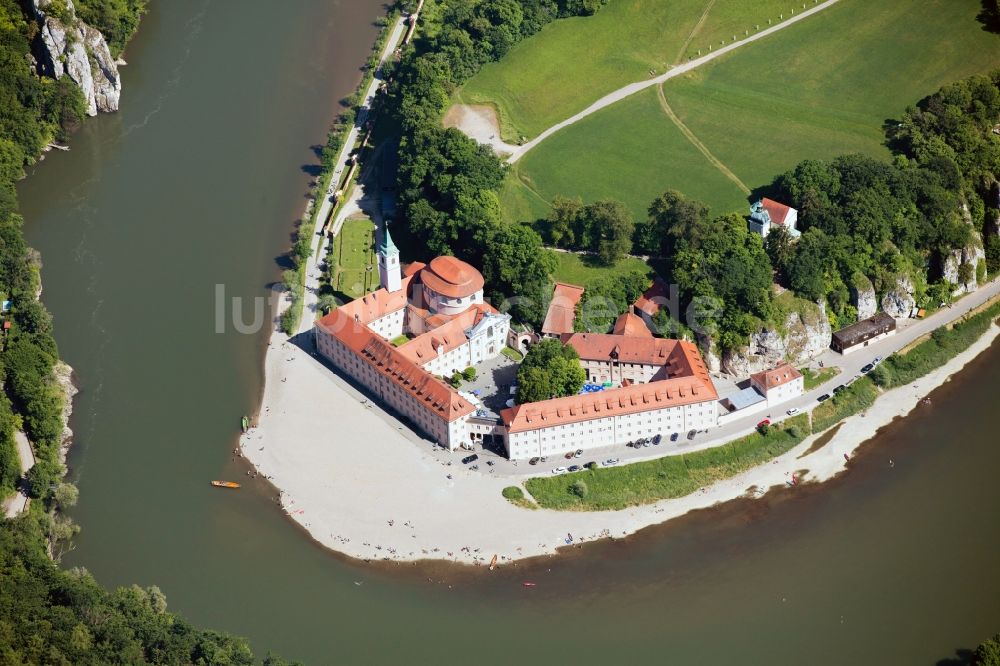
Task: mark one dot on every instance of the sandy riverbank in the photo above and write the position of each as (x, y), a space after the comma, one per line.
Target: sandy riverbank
(367, 487)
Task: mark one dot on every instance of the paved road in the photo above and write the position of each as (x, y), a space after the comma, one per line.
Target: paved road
(907, 331)
(321, 242)
(639, 86)
(16, 504)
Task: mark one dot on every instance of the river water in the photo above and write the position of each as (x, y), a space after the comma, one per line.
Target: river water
(196, 183)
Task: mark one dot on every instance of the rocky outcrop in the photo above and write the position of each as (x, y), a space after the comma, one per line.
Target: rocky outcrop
(969, 256)
(804, 333)
(898, 302)
(709, 353)
(70, 47)
(64, 379)
(863, 297)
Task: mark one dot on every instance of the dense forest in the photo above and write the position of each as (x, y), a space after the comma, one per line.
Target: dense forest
(924, 222)
(47, 615)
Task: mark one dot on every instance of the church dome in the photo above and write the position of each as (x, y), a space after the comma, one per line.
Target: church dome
(451, 277)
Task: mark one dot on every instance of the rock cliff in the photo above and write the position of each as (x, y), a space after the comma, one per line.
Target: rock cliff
(804, 333)
(898, 302)
(69, 47)
(970, 255)
(863, 297)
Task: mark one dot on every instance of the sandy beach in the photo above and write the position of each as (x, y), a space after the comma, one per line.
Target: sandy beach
(364, 485)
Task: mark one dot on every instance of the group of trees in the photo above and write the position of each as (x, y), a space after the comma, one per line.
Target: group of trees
(116, 19)
(448, 185)
(550, 370)
(604, 227)
(606, 298)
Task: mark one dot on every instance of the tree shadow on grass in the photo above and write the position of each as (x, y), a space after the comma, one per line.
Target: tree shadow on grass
(962, 656)
(989, 16)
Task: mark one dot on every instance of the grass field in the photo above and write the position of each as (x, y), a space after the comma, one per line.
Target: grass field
(821, 88)
(582, 270)
(353, 253)
(630, 152)
(573, 62)
(811, 378)
(612, 488)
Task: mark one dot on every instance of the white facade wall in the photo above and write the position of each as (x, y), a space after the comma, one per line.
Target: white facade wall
(600, 372)
(390, 326)
(862, 345)
(447, 305)
(785, 392)
(448, 363)
(610, 430)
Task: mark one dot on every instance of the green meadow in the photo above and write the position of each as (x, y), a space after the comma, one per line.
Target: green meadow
(573, 62)
(354, 269)
(821, 88)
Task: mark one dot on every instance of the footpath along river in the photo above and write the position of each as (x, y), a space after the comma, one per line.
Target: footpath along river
(196, 183)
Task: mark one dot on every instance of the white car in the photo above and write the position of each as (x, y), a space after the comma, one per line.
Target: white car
(560, 470)
(793, 410)
(610, 461)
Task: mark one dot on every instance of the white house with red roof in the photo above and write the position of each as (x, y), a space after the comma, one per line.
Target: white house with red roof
(767, 213)
(779, 384)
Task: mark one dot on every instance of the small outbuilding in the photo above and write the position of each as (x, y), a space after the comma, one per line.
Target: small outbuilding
(863, 333)
(768, 213)
(779, 384)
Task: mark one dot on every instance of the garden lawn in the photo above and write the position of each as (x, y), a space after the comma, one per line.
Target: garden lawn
(630, 152)
(582, 270)
(811, 378)
(821, 88)
(573, 62)
(613, 488)
(353, 253)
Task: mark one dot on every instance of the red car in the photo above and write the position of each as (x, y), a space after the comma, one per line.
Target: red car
(765, 422)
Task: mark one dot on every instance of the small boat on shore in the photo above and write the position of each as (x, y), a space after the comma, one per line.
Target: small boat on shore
(225, 484)
(245, 423)
(493, 563)
(528, 583)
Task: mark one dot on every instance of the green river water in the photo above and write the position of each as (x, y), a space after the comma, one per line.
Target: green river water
(196, 182)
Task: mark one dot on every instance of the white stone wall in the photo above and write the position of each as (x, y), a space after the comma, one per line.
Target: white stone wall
(448, 363)
(851, 350)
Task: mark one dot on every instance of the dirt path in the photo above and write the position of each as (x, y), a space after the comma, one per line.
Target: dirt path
(639, 86)
(19, 501)
(696, 142)
(695, 30)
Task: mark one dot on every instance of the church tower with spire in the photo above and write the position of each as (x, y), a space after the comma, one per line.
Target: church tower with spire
(388, 263)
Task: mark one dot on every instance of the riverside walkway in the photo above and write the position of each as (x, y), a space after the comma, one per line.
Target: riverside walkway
(18, 502)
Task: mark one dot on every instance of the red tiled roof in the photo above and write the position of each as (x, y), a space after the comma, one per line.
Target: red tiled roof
(562, 309)
(653, 298)
(769, 379)
(612, 402)
(625, 349)
(434, 395)
(451, 277)
(631, 324)
(448, 333)
(378, 304)
(777, 211)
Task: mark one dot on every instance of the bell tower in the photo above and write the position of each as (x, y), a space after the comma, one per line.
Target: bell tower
(388, 263)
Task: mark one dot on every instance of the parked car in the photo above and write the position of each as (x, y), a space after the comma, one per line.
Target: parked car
(574, 468)
(610, 461)
(657, 439)
(467, 459)
(544, 459)
(838, 389)
(534, 461)
(579, 452)
(692, 433)
(591, 465)
(764, 423)
(674, 436)
(868, 368)
(792, 411)
(876, 360)
(569, 455)
(559, 470)
(824, 397)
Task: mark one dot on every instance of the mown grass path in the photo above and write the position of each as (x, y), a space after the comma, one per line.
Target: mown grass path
(639, 86)
(696, 142)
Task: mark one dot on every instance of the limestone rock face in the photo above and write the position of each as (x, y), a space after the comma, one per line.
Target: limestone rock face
(898, 302)
(863, 297)
(709, 353)
(70, 47)
(803, 335)
(971, 254)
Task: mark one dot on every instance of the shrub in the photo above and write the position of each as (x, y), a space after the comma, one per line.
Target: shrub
(579, 488)
(512, 493)
(469, 374)
(456, 379)
(762, 428)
